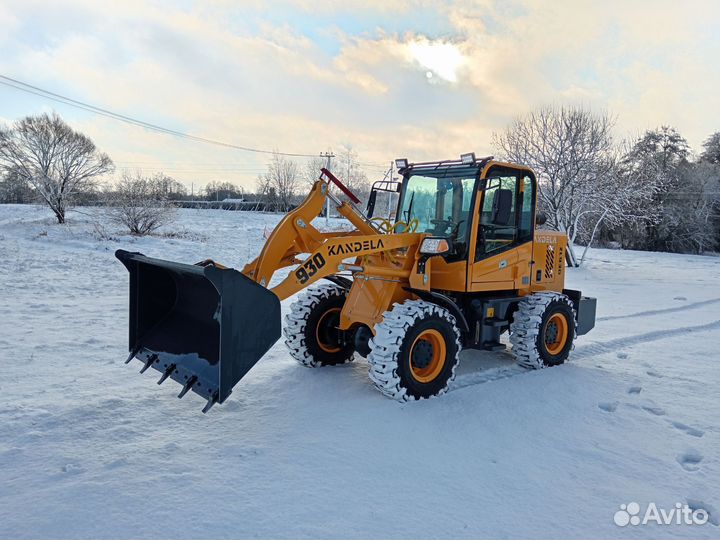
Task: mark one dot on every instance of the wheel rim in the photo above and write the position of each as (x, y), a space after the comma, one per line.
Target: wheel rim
(323, 330)
(556, 333)
(427, 355)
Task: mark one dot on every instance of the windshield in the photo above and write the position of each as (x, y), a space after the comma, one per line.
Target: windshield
(441, 205)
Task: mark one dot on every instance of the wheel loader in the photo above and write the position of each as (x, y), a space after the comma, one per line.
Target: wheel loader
(460, 264)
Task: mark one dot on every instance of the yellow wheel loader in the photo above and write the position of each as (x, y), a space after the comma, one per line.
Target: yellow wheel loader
(461, 263)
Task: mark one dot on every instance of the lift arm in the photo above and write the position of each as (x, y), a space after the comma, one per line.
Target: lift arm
(295, 234)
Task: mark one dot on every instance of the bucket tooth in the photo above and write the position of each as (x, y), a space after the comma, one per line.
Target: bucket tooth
(168, 371)
(187, 386)
(212, 400)
(132, 355)
(149, 362)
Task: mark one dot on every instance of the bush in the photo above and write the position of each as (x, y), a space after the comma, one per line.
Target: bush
(134, 204)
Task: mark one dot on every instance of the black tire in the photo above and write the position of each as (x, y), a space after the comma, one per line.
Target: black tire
(415, 351)
(543, 330)
(311, 332)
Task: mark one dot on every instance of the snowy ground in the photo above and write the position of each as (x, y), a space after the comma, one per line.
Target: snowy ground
(91, 449)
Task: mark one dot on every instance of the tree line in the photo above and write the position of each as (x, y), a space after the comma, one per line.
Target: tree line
(650, 192)
(43, 159)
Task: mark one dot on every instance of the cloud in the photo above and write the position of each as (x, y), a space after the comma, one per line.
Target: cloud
(279, 76)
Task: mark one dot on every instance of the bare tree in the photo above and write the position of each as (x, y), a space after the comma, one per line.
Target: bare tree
(58, 162)
(571, 150)
(311, 169)
(280, 181)
(350, 172)
(15, 189)
(165, 187)
(265, 191)
(134, 203)
(222, 190)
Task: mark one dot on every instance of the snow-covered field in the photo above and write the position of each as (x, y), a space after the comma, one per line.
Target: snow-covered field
(91, 449)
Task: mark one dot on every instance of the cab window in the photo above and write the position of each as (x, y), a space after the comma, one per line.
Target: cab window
(506, 212)
(440, 205)
(527, 196)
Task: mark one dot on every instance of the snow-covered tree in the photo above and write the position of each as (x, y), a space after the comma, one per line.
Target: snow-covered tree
(58, 162)
(655, 163)
(571, 150)
(711, 149)
(690, 214)
(311, 169)
(15, 189)
(345, 166)
(134, 203)
(279, 184)
(349, 171)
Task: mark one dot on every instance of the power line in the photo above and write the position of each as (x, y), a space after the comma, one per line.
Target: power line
(30, 89)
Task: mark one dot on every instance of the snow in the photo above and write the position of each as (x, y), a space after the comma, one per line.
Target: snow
(91, 449)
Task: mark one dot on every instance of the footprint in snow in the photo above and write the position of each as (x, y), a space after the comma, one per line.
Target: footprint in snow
(622, 355)
(657, 411)
(681, 298)
(71, 468)
(654, 374)
(713, 514)
(690, 460)
(608, 406)
(688, 429)
(634, 389)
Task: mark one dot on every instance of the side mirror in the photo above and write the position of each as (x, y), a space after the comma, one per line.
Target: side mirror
(540, 218)
(371, 204)
(501, 207)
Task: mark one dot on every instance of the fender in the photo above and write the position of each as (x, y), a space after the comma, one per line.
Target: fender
(443, 301)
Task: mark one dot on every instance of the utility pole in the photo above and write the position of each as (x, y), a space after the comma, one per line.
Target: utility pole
(329, 156)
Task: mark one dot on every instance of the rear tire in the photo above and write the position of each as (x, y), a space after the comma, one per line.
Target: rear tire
(415, 351)
(310, 329)
(543, 330)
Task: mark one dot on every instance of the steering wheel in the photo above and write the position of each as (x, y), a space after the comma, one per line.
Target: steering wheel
(441, 225)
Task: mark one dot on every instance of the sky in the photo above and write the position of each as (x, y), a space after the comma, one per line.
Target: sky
(389, 78)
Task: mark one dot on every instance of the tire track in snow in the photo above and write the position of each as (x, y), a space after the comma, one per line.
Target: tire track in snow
(487, 375)
(592, 349)
(660, 311)
(585, 351)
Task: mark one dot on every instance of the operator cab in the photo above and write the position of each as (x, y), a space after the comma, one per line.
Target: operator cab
(439, 198)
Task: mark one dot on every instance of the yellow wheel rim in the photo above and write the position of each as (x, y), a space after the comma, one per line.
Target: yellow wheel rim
(431, 345)
(556, 333)
(320, 328)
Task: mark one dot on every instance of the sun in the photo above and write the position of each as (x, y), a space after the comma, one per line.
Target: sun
(439, 58)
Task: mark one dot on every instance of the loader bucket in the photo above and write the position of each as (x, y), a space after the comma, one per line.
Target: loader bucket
(204, 327)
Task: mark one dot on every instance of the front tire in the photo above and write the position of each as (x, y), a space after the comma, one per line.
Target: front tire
(543, 330)
(415, 351)
(311, 333)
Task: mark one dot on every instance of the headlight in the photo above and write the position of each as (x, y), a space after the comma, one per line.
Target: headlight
(434, 246)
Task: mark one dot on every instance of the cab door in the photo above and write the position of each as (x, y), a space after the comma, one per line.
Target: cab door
(496, 261)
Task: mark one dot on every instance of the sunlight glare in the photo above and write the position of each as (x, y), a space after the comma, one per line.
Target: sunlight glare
(440, 58)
